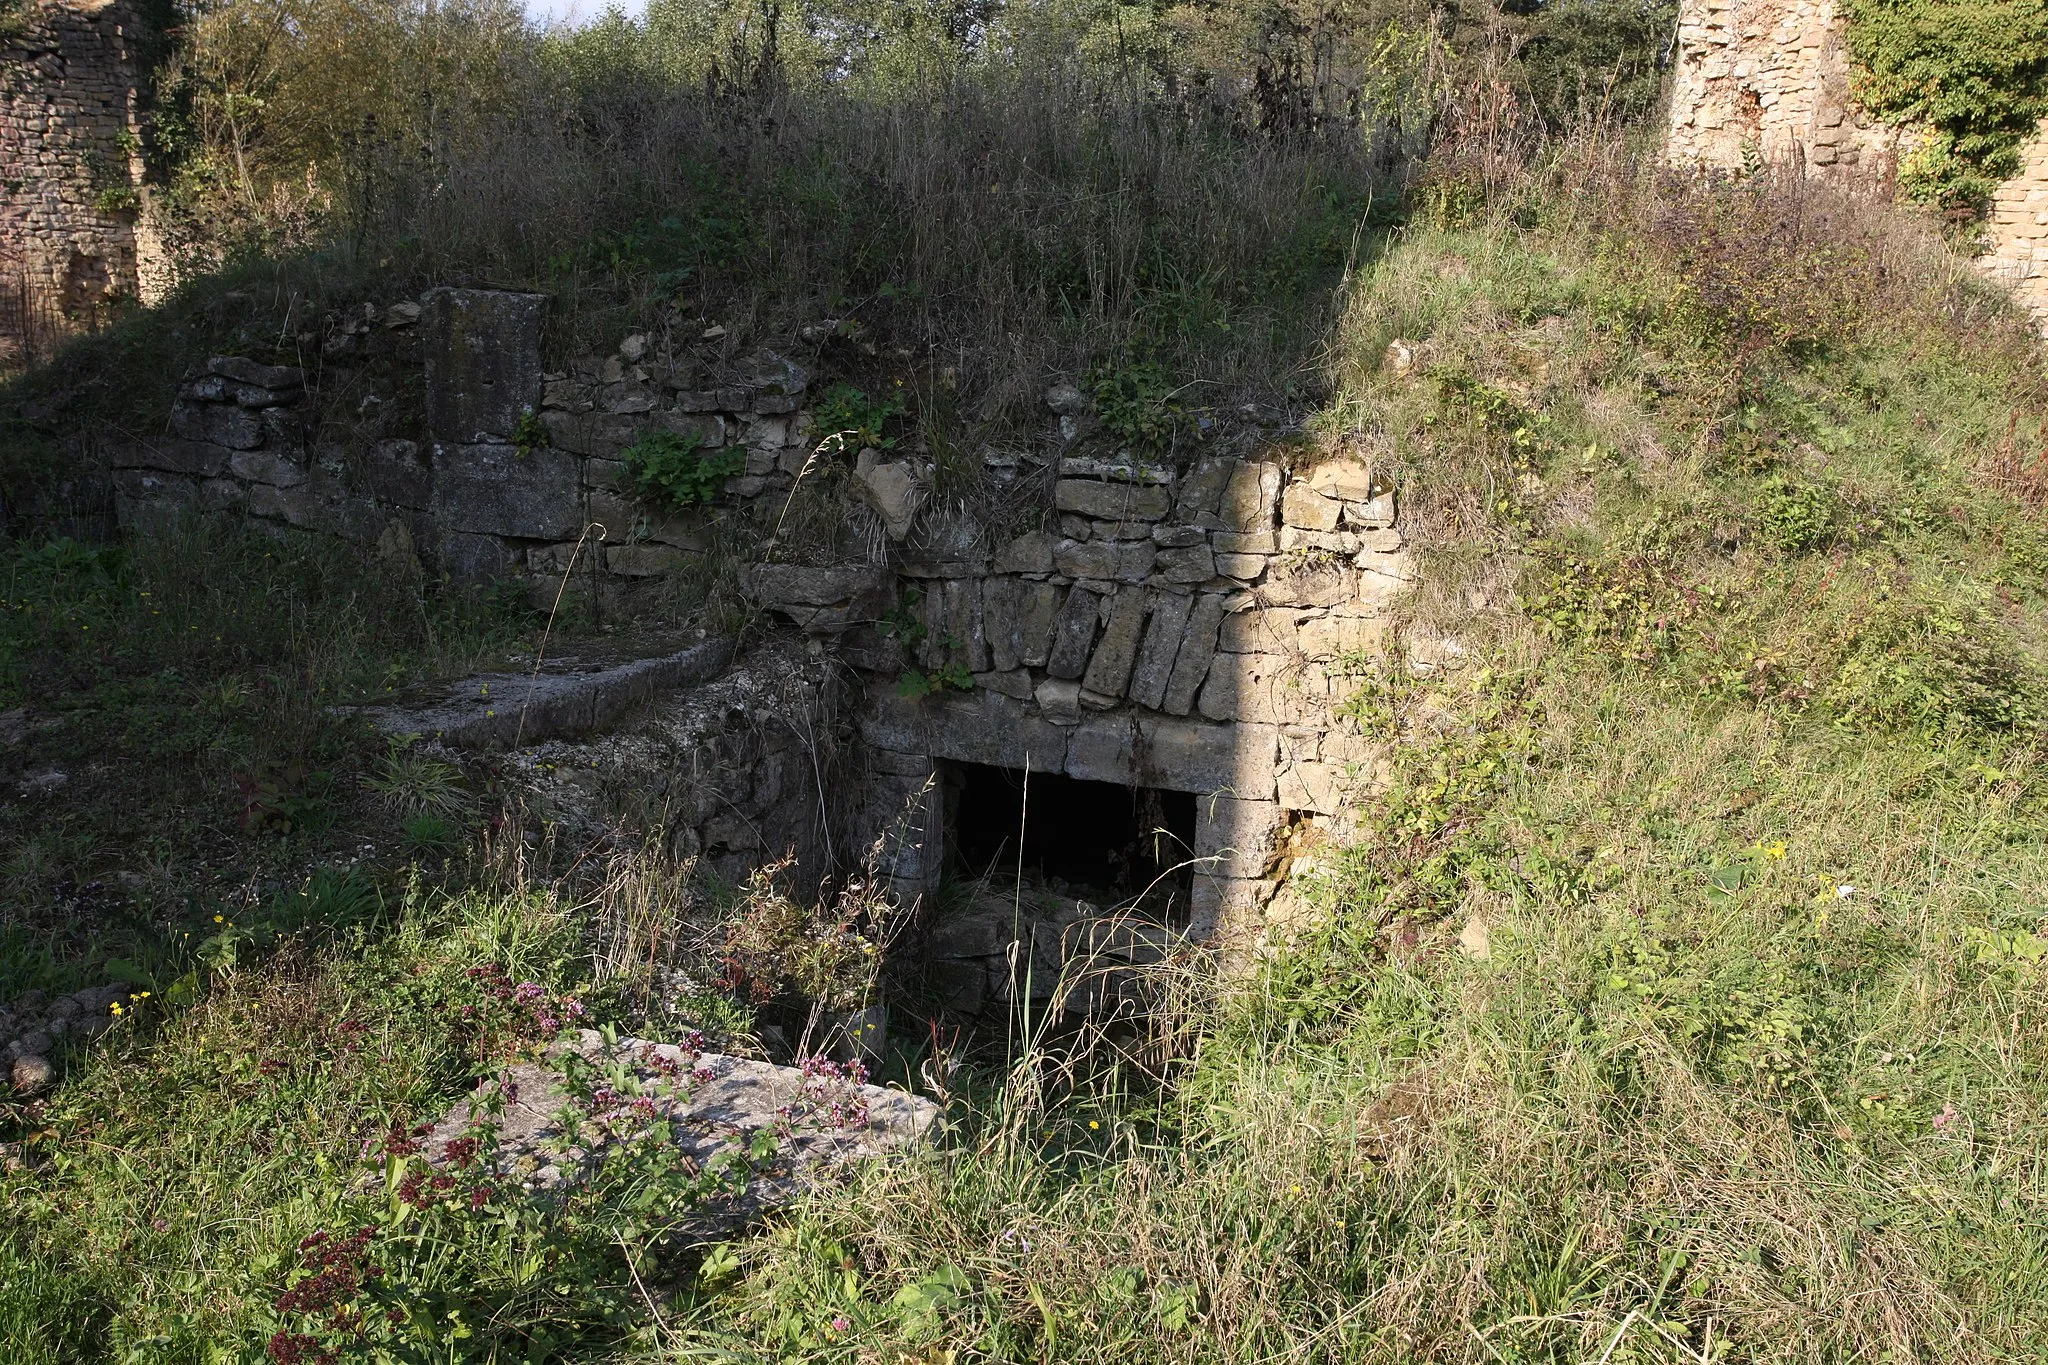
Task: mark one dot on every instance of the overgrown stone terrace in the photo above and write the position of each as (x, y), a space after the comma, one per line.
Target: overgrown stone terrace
(1190, 626)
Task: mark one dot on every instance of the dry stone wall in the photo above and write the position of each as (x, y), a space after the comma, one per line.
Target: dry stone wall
(1768, 81)
(70, 165)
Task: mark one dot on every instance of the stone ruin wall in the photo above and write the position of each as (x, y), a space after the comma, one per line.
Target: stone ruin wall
(70, 167)
(1192, 628)
(1769, 80)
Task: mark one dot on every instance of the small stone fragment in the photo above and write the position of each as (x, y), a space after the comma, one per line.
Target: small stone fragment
(31, 1073)
(1060, 700)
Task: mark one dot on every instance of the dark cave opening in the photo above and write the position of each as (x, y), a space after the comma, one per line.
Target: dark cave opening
(1113, 842)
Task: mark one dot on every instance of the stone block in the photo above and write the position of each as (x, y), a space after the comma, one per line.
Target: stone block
(1037, 604)
(1244, 568)
(217, 424)
(1201, 492)
(1190, 566)
(600, 434)
(1228, 910)
(500, 490)
(1294, 538)
(780, 585)
(468, 558)
(1109, 667)
(1110, 560)
(1073, 633)
(1030, 553)
(1267, 630)
(393, 472)
(265, 466)
(481, 349)
(1120, 530)
(196, 458)
(643, 560)
(1309, 510)
(1261, 688)
(1309, 580)
(1101, 749)
(1013, 682)
(992, 728)
(1324, 788)
(1191, 662)
(968, 645)
(1112, 501)
(1163, 632)
(1250, 498)
(1190, 756)
(1060, 700)
(1338, 634)
(1372, 515)
(1245, 542)
(1179, 537)
(243, 370)
(221, 495)
(1234, 835)
(1117, 469)
(999, 623)
(1345, 480)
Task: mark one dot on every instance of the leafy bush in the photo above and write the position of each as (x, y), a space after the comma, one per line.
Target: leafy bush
(676, 470)
(1975, 72)
(1937, 670)
(1796, 515)
(849, 420)
(1138, 403)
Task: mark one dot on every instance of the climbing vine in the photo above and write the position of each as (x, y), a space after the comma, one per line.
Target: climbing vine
(1972, 72)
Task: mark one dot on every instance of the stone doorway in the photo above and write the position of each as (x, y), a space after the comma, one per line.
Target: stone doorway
(1098, 841)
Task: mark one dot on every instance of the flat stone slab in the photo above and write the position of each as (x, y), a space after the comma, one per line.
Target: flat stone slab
(551, 1129)
(498, 710)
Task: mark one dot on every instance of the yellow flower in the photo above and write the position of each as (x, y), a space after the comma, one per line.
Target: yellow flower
(1093, 1124)
(216, 919)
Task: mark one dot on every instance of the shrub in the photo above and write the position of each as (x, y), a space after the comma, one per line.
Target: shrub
(1937, 670)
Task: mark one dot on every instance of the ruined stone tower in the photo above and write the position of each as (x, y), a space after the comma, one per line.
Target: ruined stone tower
(70, 166)
(1768, 81)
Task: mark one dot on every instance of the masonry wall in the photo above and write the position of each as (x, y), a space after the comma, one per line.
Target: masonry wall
(70, 166)
(1769, 80)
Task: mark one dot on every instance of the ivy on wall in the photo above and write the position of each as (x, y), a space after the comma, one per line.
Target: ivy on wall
(1972, 72)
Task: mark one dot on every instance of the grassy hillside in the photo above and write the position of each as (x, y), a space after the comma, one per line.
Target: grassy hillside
(1683, 1000)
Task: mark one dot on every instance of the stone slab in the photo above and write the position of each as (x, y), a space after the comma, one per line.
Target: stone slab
(1198, 648)
(502, 490)
(1112, 501)
(1154, 669)
(1109, 667)
(481, 349)
(1073, 633)
(1191, 756)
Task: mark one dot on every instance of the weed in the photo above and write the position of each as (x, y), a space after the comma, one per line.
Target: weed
(677, 471)
(851, 421)
(1138, 403)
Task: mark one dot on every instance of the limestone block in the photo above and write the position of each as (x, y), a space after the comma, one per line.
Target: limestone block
(1309, 581)
(468, 558)
(1336, 542)
(999, 623)
(217, 424)
(1178, 537)
(1201, 492)
(1244, 568)
(1371, 515)
(1163, 632)
(500, 490)
(643, 560)
(1108, 560)
(220, 495)
(601, 434)
(1384, 576)
(1112, 501)
(1101, 750)
(1198, 647)
(1120, 530)
(1234, 835)
(1190, 756)
(1073, 633)
(482, 354)
(243, 370)
(1228, 910)
(1262, 688)
(1060, 700)
(1251, 496)
(1109, 667)
(966, 642)
(1337, 634)
(1245, 542)
(778, 585)
(1031, 553)
(896, 490)
(992, 728)
(1192, 565)
(1036, 605)
(1346, 480)
(1309, 510)
(1268, 630)
(392, 472)
(197, 458)
(1324, 788)
(266, 466)
(1014, 682)
(1117, 469)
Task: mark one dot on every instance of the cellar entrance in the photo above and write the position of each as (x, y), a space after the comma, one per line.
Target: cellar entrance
(1095, 840)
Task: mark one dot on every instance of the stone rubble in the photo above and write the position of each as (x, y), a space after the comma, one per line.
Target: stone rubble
(35, 1029)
